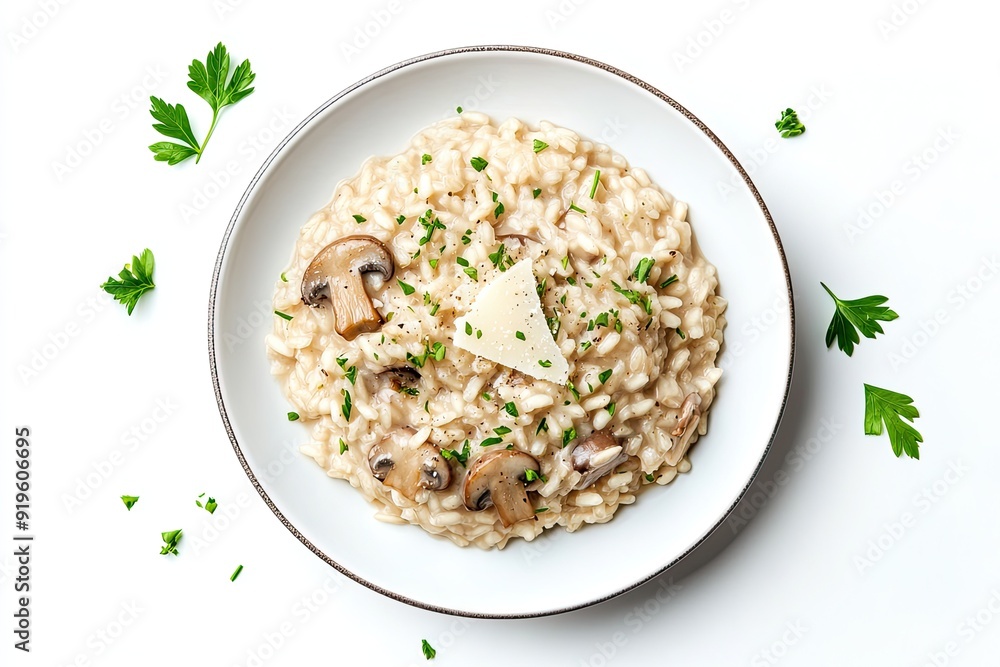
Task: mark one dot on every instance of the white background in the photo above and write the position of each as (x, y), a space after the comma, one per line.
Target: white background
(849, 555)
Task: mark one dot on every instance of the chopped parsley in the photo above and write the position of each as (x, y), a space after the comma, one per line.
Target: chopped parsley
(284, 278)
(487, 396)
(565, 262)
(489, 442)
(632, 295)
(479, 333)
(568, 436)
(466, 239)
(170, 540)
(345, 409)
(501, 430)
(407, 289)
(585, 345)
(434, 265)
(535, 193)
(605, 375)
(511, 409)
(789, 125)
(425, 158)
(500, 259)
(472, 272)
(530, 476)
(427, 649)
(359, 218)
(574, 207)
(572, 390)
(468, 329)
(498, 211)
(519, 335)
(595, 183)
(457, 110)
(130, 501)
(538, 145)
(541, 509)
(601, 320)
(210, 504)
(351, 374)
(293, 416)
(343, 446)
(669, 281)
(429, 225)
(478, 163)
(542, 426)
(236, 573)
(284, 316)
(461, 261)
(642, 269)
(572, 281)
(453, 454)
(680, 332)
(611, 408)
(544, 363)
(650, 477)
(400, 219)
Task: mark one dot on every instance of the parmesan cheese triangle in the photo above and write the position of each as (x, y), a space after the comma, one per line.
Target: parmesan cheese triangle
(508, 326)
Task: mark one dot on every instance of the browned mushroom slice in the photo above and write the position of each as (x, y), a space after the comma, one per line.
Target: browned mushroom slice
(687, 426)
(408, 470)
(497, 478)
(337, 274)
(595, 457)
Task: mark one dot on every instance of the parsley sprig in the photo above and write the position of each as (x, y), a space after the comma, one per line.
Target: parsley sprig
(789, 125)
(209, 81)
(133, 281)
(896, 412)
(858, 315)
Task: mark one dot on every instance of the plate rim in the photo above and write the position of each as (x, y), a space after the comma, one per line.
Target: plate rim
(492, 48)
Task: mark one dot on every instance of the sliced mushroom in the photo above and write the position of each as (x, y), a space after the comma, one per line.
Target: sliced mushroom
(408, 470)
(687, 426)
(391, 381)
(337, 274)
(595, 457)
(497, 478)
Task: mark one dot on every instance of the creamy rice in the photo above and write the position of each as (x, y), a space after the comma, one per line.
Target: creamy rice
(660, 349)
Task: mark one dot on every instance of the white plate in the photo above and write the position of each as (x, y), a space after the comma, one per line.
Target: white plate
(559, 571)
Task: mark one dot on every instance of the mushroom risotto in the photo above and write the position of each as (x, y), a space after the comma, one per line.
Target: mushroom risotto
(502, 329)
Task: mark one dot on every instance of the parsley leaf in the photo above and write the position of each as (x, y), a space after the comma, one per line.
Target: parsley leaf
(788, 125)
(130, 501)
(460, 456)
(642, 269)
(890, 408)
(428, 650)
(852, 316)
(209, 81)
(210, 504)
(133, 281)
(170, 540)
(530, 476)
